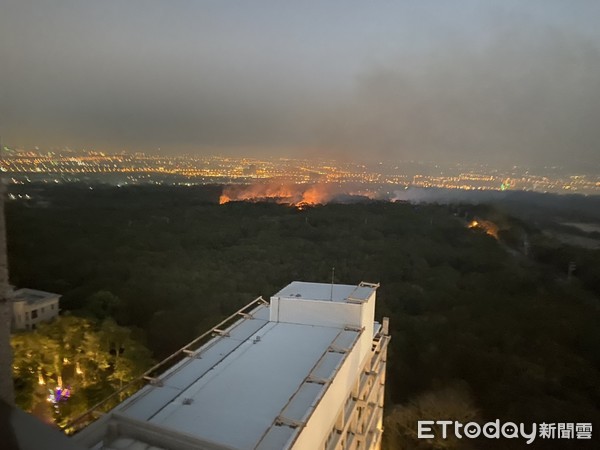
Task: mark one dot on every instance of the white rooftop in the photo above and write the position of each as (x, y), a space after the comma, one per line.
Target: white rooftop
(327, 292)
(32, 296)
(253, 385)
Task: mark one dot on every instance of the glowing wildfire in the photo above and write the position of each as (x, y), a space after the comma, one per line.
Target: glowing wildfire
(489, 227)
(298, 195)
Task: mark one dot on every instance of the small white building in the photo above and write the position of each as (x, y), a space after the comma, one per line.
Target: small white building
(305, 372)
(30, 307)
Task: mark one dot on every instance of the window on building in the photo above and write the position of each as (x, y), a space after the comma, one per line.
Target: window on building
(27, 315)
(43, 310)
(52, 306)
(34, 314)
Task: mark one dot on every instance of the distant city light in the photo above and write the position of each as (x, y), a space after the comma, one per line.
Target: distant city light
(138, 168)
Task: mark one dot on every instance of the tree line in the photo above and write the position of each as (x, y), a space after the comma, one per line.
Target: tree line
(493, 331)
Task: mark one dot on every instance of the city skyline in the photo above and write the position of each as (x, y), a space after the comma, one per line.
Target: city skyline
(290, 179)
(497, 83)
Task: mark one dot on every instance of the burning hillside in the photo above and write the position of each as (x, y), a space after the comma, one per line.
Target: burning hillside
(489, 227)
(299, 195)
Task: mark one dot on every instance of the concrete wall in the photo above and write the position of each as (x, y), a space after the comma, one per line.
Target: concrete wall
(46, 310)
(323, 419)
(324, 313)
(315, 312)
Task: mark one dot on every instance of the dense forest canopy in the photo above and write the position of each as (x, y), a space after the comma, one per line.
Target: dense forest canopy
(487, 328)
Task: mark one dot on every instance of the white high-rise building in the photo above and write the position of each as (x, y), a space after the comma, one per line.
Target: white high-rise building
(306, 371)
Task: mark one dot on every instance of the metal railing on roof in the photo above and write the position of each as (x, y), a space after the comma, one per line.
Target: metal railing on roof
(148, 377)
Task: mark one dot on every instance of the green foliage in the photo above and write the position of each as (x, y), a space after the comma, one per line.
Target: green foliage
(462, 305)
(92, 358)
(102, 304)
(453, 402)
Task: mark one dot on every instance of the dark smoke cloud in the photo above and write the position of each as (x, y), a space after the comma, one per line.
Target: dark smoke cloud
(186, 77)
(519, 99)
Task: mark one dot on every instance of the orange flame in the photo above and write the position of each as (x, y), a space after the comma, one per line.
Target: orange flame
(283, 193)
(489, 227)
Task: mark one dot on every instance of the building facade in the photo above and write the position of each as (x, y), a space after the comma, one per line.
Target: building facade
(30, 307)
(305, 372)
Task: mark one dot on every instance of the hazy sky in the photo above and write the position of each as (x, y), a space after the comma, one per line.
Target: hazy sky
(488, 81)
